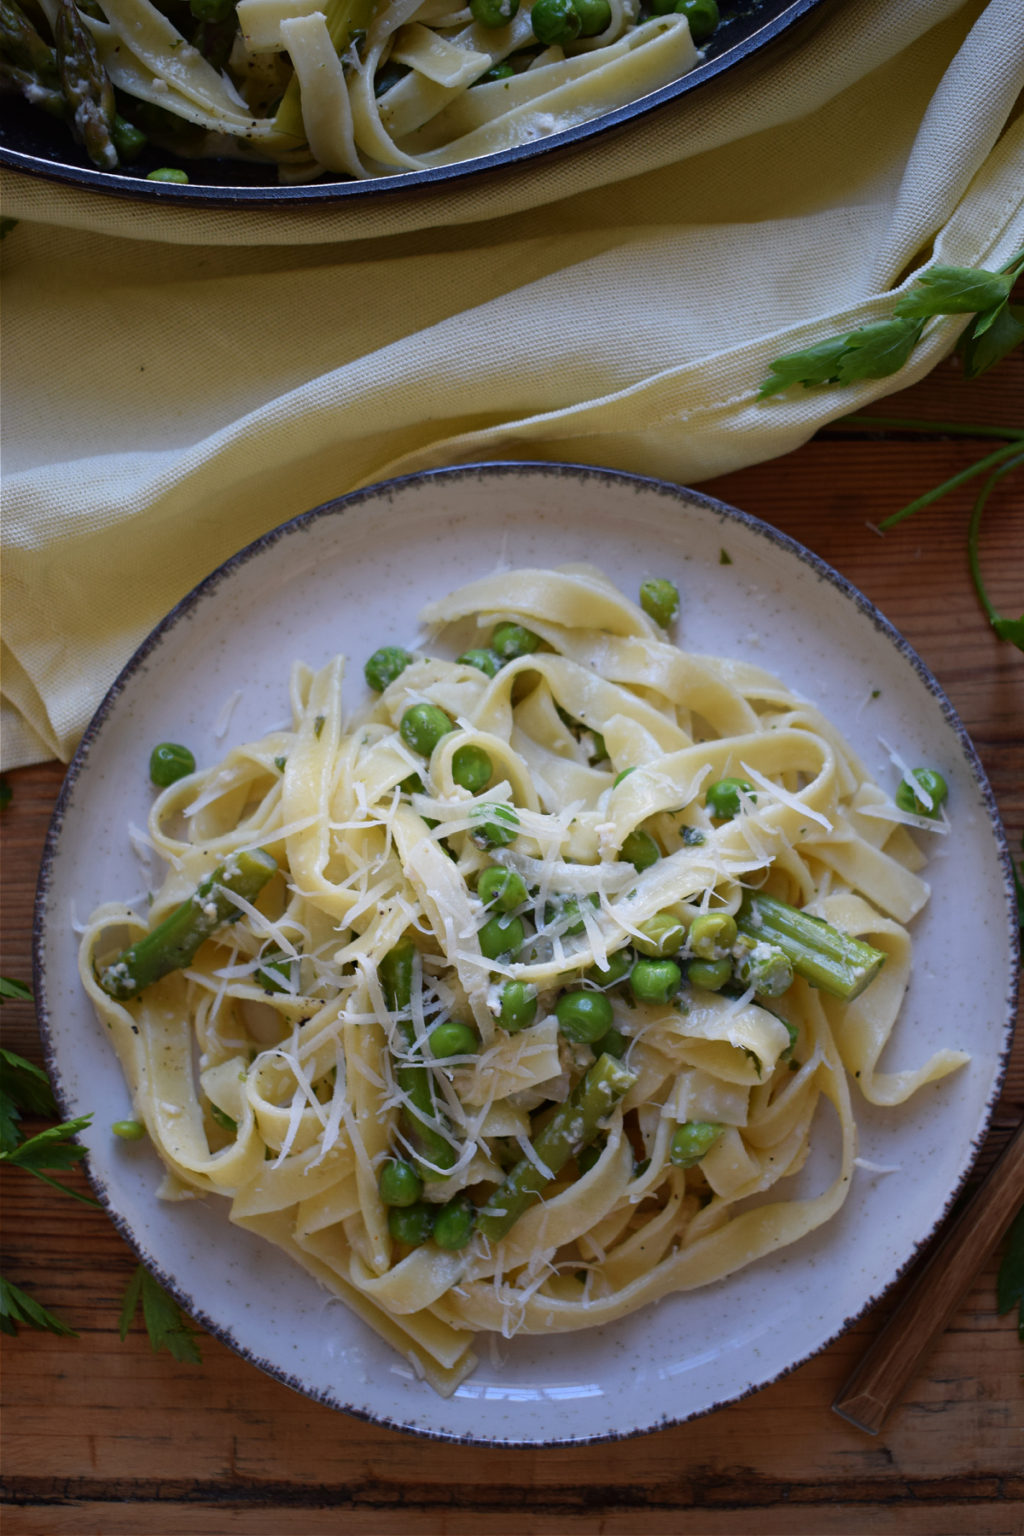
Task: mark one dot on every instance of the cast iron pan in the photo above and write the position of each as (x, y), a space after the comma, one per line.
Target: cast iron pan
(34, 143)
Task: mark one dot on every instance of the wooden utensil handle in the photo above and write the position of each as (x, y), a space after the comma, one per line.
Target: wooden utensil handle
(924, 1312)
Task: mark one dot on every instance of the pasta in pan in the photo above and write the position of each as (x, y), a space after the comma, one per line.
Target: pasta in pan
(349, 87)
(512, 1002)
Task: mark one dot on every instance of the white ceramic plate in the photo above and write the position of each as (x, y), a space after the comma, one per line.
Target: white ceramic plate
(353, 575)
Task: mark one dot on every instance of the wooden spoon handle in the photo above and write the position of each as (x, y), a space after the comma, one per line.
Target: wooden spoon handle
(924, 1312)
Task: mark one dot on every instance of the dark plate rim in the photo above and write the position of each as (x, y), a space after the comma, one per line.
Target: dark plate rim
(339, 507)
(318, 194)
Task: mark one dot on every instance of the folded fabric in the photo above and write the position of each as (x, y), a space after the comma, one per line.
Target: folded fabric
(177, 382)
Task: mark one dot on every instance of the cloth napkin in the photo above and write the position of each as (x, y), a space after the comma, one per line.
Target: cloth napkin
(177, 382)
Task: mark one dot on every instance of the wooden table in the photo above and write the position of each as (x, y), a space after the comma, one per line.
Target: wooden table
(107, 1437)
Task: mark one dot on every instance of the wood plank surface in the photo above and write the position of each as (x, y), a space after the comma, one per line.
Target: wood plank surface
(103, 1436)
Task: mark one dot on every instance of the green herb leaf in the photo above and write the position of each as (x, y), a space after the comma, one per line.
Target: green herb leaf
(814, 365)
(164, 1319)
(223, 1119)
(24, 1089)
(1011, 630)
(954, 291)
(871, 352)
(51, 1149)
(876, 351)
(1010, 1280)
(12, 991)
(984, 345)
(18, 1308)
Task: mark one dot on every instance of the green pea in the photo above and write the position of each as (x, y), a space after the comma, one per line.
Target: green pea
(765, 968)
(566, 910)
(129, 141)
(932, 784)
(129, 1130)
(663, 934)
(555, 21)
(472, 768)
(485, 661)
(495, 825)
(614, 1043)
(502, 71)
(712, 975)
(594, 15)
(502, 888)
(510, 641)
(412, 785)
(722, 798)
(454, 1223)
(493, 13)
(168, 173)
(623, 775)
(422, 727)
(453, 1039)
(655, 981)
(618, 968)
(702, 16)
(385, 665)
(712, 935)
(399, 1183)
(584, 1016)
(411, 1224)
(501, 937)
(692, 1142)
(640, 850)
(518, 1007)
(169, 762)
(659, 599)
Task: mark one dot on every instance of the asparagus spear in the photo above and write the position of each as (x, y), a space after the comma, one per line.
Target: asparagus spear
(27, 62)
(573, 1126)
(86, 86)
(828, 959)
(173, 943)
(419, 1117)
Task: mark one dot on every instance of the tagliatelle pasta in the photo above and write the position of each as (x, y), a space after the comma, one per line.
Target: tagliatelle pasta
(360, 88)
(499, 1041)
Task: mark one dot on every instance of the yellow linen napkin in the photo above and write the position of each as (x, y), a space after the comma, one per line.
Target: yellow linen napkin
(175, 383)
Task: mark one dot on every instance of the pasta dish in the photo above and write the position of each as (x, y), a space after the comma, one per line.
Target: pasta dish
(361, 88)
(516, 998)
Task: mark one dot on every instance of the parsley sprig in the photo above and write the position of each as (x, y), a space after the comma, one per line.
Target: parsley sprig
(881, 349)
(25, 1090)
(999, 463)
(164, 1320)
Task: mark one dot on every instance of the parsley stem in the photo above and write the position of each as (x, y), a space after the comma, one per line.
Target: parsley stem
(974, 528)
(988, 462)
(940, 428)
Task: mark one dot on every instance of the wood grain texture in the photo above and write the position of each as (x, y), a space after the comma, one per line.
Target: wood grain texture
(107, 1437)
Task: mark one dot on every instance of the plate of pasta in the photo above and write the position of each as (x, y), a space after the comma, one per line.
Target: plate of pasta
(506, 914)
(250, 101)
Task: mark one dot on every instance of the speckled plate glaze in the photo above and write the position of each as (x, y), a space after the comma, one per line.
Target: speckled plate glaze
(352, 575)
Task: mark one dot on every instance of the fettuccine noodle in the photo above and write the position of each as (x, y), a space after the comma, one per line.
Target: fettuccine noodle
(364, 89)
(277, 1068)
